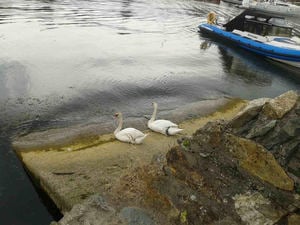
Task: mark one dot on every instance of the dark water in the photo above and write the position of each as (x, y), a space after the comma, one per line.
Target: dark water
(69, 62)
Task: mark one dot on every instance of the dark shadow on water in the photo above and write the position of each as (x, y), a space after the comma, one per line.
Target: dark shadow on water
(235, 67)
(21, 202)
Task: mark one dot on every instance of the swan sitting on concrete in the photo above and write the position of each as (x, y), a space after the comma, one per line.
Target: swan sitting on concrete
(130, 135)
(165, 127)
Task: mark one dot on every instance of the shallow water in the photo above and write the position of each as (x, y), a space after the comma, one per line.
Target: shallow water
(77, 62)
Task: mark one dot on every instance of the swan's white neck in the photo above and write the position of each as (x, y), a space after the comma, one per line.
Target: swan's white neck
(154, 113)
(120, 117)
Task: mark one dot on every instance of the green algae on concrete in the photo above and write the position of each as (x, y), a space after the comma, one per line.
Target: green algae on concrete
(69, 176)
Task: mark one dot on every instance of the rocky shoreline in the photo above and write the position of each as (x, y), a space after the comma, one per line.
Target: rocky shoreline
(239, 165)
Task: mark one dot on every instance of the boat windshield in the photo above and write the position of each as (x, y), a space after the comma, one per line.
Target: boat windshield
(266, 29)
(279, 31)
(260, 23)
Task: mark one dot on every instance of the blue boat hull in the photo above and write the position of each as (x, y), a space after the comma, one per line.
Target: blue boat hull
(284, 55)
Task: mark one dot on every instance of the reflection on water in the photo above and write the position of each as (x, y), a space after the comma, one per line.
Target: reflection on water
(126, 11)
(205, 44)
(237, 61)
(77, 62)
(235, 67)
(14, 80)
(240, 65)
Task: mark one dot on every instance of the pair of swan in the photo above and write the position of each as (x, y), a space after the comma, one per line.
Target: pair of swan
(134, 136)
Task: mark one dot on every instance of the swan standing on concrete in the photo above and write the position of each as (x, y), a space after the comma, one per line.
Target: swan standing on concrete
(165, 127)
(130, 135)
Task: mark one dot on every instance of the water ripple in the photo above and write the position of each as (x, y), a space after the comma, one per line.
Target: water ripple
(171, 16)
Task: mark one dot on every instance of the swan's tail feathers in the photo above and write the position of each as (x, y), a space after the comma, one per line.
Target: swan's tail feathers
(173, 130)
(139, 140)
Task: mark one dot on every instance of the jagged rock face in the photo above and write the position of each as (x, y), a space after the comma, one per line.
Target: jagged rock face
(215, 167)
(276, 126)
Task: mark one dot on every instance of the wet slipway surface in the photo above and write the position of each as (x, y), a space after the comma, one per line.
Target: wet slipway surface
(64, 63)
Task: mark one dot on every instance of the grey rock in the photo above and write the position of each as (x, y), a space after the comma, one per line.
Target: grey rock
(226, 221)
(98, 202)
(159, 160)
(136, 216)
(93, 211)
(261, 129)
(255, 209)
(281, 105)
(249, 112)
(292, 127)
(287, 151)
(294, 165)
(193, 198)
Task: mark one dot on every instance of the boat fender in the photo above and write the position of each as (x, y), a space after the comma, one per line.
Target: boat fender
(211, 18)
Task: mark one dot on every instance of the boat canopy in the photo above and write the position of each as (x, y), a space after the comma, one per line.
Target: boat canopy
(260, 23)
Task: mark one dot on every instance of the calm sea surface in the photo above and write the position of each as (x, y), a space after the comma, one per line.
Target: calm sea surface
(70, 62)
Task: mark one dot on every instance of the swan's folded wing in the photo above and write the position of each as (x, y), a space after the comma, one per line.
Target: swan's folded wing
(164, 123)
(134, 133)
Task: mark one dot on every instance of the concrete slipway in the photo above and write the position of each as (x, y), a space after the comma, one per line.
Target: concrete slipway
(72, 164)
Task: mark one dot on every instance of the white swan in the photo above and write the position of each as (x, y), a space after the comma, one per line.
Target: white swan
(130, 135)
(165, 127)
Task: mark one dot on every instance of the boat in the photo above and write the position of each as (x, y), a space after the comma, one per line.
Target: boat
(266, 35)
(276, 7)
(237, 2)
